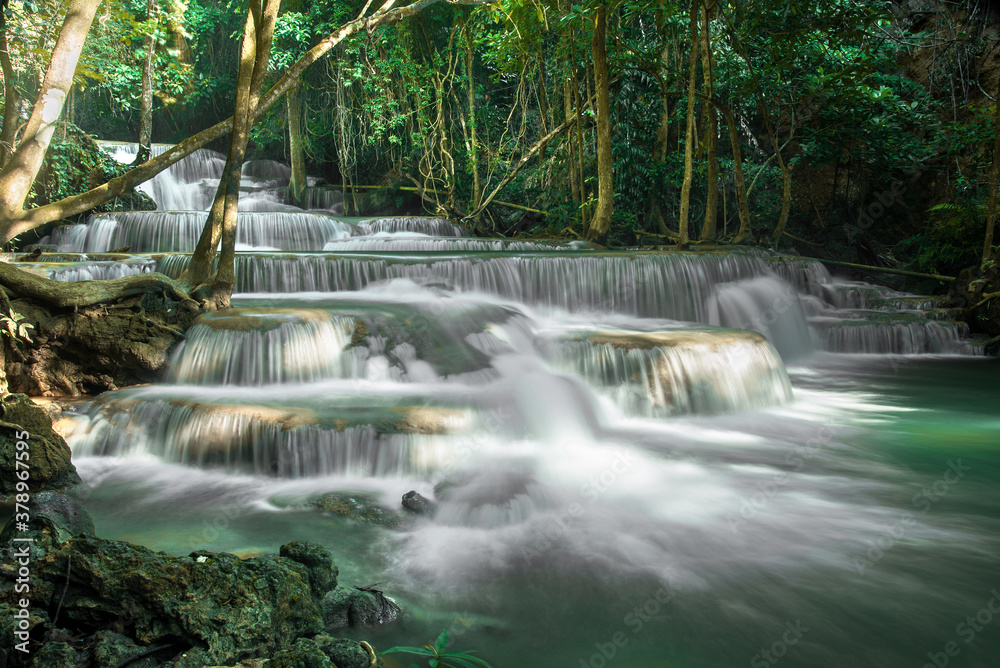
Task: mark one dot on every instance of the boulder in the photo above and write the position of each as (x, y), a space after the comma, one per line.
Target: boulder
(48, 461)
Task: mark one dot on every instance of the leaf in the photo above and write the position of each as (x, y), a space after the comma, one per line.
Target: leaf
(409, 650)
(442, 642)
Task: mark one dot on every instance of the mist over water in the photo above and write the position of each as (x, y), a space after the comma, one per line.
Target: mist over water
(639, 459)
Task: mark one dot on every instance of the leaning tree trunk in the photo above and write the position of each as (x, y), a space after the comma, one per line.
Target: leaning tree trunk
(11, 100)
(19, 173)
(601, 222)
(685, 213)
(13, 223)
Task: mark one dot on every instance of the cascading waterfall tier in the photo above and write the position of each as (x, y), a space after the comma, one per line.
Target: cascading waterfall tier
(898, 334)
(182, 186)
(676, 372)
(250, 433)
(179, 231)
(436, 227)
(675, 285)
(265, 347)
(410, 241)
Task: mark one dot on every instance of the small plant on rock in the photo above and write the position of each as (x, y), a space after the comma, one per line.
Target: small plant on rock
(437, 657)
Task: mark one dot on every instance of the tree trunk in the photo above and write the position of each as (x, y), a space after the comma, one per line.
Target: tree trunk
(689, 134)
(19, 173)
(16, 222)
(991, 207)
(254, 55)
(146, 98)
(601, 223)
(11, 100)
(574, 183)
(297, 184)
(711, 130)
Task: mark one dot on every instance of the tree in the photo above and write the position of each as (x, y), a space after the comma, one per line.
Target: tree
(20, 170)
(14, 220)
(601, 222)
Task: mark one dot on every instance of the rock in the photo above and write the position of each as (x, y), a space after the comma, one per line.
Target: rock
(110, 649)
(223, 608)
(992, 347)
(55, 655)
(417, 503)
(304, 654)
(357, 608)
(358, 507)
(48, 460)
(59, 515)
(322, 571)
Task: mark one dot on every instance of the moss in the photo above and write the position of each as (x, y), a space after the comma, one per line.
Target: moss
(49, 464)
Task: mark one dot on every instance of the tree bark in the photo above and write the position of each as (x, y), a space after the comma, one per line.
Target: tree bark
(11, 99)
(574, 183)
(689, 134)
(19, 173)
(708, 230)
(297, 183)
(146, 97)
(16, 222)
(254, 55)
(601, 223)
(78, 294)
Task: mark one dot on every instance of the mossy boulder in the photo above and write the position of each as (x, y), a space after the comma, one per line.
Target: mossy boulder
(48, 464)
(221, 608)
(358, 608)
(358, 507)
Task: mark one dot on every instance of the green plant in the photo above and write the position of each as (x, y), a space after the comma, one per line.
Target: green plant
(14, 328)
(437, 657)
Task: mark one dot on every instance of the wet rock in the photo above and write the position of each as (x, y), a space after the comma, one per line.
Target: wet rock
(223, 608)
(318, 560)
(419, 504)
(49, 462)
(357, 608)
(358, 507)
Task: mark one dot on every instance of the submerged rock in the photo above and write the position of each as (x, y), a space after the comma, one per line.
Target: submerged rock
(358, 507)
(419, 504)
(48, 463)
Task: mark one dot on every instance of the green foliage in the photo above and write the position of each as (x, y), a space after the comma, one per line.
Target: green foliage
(12, 327)
(437, 657)
(73, 164)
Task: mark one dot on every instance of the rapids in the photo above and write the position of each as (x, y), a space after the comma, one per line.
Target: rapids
(640, 459)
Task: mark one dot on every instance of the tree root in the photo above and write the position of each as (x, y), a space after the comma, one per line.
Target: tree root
(60, 294)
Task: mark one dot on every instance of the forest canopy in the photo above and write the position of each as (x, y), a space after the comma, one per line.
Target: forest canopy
(861, 130)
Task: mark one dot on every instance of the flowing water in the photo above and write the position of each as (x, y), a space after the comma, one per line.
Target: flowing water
(639, 459)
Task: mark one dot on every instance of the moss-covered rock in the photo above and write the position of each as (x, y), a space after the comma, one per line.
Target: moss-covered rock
(48, 461)
(319, 562)
(222, 608)
(359, 507)
(358, 608)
